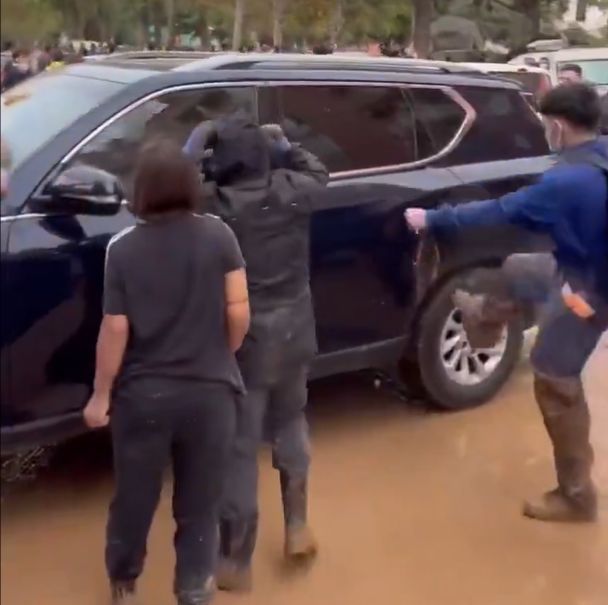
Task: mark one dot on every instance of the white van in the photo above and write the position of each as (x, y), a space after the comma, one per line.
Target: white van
(593, 62)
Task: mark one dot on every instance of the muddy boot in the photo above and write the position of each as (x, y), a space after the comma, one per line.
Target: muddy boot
(484, 317)
(198, 596)
(237, 543)
(554, 506)
(300, 543)
(566, 416)
(123, 593)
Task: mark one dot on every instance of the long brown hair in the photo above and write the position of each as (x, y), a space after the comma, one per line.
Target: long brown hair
(166, 181)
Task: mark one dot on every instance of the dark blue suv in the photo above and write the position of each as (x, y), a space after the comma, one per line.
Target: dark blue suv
(393, 133)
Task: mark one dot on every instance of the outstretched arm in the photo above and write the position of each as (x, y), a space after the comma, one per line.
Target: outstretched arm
(533, 207)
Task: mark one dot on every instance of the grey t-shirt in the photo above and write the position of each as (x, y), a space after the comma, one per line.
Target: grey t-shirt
(168, 277)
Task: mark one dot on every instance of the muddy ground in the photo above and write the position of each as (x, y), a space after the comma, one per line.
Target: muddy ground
(410, 507)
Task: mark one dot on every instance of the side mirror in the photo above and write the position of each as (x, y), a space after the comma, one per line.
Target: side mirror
(80, 190)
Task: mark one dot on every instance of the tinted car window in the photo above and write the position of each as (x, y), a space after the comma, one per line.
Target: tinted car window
(173, 115)
(438, 119)
(350, 127)
(505, 128)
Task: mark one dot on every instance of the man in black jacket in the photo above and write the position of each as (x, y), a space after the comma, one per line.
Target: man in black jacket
(264, 187)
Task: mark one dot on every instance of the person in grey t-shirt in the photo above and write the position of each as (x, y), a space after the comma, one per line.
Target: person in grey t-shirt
(175, 311)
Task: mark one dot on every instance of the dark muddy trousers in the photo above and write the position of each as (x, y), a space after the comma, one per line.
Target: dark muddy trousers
(563, 346)
(278, 412)
(194, 429)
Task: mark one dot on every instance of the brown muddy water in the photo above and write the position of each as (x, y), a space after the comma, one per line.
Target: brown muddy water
(410, 508)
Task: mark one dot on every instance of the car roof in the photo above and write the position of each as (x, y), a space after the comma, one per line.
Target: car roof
(179, 68)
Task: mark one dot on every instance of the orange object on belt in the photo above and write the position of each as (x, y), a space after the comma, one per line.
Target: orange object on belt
(577, 303)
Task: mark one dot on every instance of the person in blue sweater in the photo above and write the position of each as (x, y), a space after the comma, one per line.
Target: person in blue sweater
(570, 204)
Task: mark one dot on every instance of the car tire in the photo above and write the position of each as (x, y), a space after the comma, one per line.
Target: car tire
(477, 375)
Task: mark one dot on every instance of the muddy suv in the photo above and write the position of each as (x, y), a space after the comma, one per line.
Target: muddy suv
(394, 133)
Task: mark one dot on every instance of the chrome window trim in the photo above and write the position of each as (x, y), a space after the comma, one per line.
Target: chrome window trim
(150, 97)
(469, 119)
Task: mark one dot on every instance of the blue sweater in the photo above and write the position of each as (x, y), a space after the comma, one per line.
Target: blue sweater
(569, 203)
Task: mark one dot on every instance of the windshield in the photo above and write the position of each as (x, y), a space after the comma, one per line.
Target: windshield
(37, 110)
(594, 70)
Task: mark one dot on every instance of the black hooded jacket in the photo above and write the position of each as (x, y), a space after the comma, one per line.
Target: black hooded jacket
(269, 209)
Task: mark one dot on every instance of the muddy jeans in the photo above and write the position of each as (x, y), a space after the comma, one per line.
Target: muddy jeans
(563, 346)
(193, 428)
(279, 411)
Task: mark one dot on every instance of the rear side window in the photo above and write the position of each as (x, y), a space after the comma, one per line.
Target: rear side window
(438, 119)
(505, 128)
(351, 127)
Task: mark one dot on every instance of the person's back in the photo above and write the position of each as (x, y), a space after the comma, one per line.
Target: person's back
(268, 207)
(175, 283)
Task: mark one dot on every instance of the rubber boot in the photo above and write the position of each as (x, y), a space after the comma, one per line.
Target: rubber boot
(566, 415)
(237, 543)
(123, 593)
(300, 543)
(198, 596)
(484, 317)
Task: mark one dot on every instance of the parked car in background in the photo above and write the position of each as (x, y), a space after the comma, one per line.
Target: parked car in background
(393, 133)
(534, 80)
(592, 60)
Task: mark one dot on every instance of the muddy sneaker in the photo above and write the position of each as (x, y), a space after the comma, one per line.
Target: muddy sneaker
(198, 596)
(232, 577)
(554, 506)
(300, 544)
(484, 319)
(123, 593)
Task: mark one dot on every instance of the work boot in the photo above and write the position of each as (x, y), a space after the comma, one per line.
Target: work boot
(198, 596)
(484, 317)
(554, 506)
(237, 543)
(300, 543)
(566, 415)
(123, 593)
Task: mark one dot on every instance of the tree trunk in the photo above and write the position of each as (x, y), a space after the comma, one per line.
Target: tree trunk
(337, 22)
(239, 17)
(532, 11)
(170, 16)
(581, 9)
(421, 28)
(278, 17)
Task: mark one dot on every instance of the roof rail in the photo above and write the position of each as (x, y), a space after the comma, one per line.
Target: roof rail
(335, 61)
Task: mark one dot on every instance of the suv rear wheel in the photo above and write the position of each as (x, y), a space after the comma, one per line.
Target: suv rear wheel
(447, 369)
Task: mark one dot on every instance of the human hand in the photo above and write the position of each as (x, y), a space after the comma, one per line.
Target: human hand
(96, 413)
(274, 132)
(416, 219)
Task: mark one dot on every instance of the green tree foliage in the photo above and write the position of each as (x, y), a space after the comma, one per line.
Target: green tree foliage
(285, 22)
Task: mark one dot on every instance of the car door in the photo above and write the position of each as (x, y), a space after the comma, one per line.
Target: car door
(56, 261)
(363, 258)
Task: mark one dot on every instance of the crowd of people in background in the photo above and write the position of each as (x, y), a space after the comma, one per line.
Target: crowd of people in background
(20, 63)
